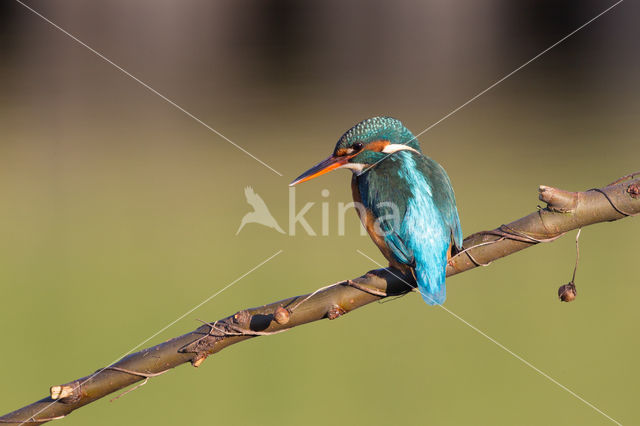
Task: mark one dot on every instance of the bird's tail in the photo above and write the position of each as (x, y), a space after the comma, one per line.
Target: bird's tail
(431, 284)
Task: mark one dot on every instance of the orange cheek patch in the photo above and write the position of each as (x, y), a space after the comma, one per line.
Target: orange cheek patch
(377, 146)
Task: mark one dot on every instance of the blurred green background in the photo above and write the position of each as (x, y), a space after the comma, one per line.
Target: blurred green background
(119, 212)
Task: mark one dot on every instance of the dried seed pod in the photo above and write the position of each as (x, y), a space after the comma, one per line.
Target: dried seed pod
(567, 292)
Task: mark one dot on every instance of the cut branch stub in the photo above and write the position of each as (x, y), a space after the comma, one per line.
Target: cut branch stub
(67, 393)
(558, 200)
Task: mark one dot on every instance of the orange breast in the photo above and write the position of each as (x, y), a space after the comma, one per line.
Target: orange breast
(368, 220)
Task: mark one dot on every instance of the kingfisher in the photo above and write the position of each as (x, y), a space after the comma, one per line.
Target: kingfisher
(404, 200)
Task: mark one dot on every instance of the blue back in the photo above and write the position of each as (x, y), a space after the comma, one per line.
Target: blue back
(420, 190)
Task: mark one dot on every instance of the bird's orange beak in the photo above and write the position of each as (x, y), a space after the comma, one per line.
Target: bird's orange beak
(321, 168)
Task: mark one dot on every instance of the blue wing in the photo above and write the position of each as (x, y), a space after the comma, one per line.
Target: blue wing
(400, 251)
(426, 228)
(412, 199)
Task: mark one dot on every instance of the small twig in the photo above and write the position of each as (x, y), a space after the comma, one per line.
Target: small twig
(616, 208)
(210, 333)
(623, 178)
(366, 289)
(478, 263)
(144, 382)
(514, 234)
(392, 298)
(237, 331)
(146, 376)
(294, 307)
(568, 292)
(468, 253)
(504, 232)
(465, 250)
(243, 332)
(32, 420)
(135, 373)
(575, 268)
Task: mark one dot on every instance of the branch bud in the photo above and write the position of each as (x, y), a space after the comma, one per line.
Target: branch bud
(281, 315)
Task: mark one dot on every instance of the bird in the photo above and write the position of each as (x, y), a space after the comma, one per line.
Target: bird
(261, 213)
(407, 202)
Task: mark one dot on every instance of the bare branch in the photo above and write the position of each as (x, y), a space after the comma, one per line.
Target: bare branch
(565, 211)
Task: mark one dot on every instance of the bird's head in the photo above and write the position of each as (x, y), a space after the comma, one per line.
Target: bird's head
(363, 146)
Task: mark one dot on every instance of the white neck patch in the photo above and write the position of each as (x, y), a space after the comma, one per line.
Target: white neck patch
(395, 147)
(355, 167)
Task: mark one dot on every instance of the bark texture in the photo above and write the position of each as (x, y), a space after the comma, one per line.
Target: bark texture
(564, 212)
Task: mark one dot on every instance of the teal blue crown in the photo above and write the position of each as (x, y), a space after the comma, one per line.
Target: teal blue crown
(378, 128)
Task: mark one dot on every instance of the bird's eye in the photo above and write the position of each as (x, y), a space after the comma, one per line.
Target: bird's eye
(358, 146)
